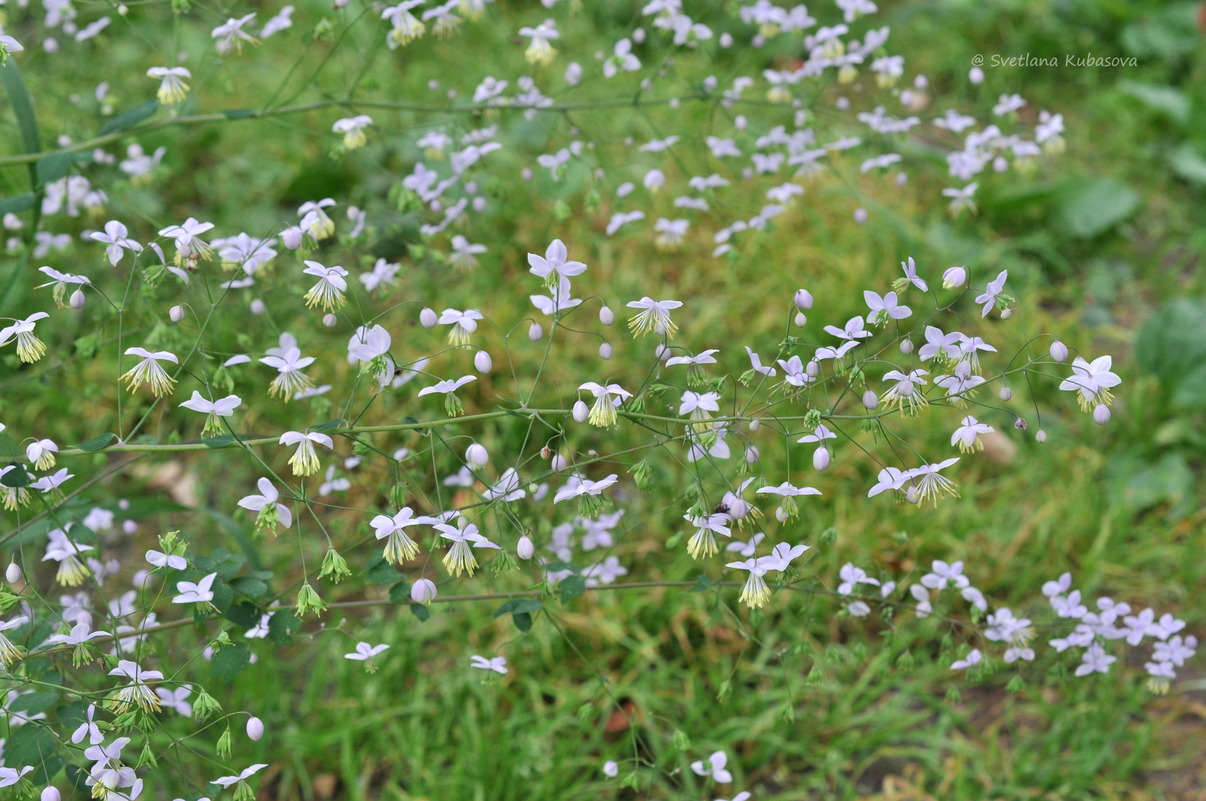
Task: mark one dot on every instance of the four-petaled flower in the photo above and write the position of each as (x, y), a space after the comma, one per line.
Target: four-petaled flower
(1093, 381)
(271, 513)
(200, 592)
(305, 460)
(224, 407)
(607, 398)
(172, 88)
(149, 371)
(29, 347)
(654, 315)
(364, 651)
(498, 664)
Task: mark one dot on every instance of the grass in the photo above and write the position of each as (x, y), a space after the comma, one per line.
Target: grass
(807, 701)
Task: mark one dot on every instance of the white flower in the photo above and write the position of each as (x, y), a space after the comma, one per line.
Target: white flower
(463, 324)
(498, 664)
(654, 315)
(271, 513)
(290, 379)
(223, 407)
(364, 651)
(399, 547)
(714, 767)
(331, 285)
(149, 371)
(116, 236)
(305, 460)
(226, 781)
(607, 398)
(352, 129)
(191, 593)
(172, 88)
(554, 264)
(539, 50)
(230, 35)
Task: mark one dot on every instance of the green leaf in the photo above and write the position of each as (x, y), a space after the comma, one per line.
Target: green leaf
(571, 587)
(97, 443)
(18, 96)
(522, 621)
(33, 703)
(238, 114)
(229, 662)
(410, 421)
(9, 449)
(220, 441)
(16, 478)
(702, 584)
(130, 117)
(327, 426)
(557, 567)
(1086, 207)
(53, 166)
(1171, 347)
(518, 606)
(18, 203)
(251, 587)
(382, 574)
(29, 745)
(420, 611)
(1187, 161)
(281, 627)
(243, 614)
(1167, 100)
(400, 593)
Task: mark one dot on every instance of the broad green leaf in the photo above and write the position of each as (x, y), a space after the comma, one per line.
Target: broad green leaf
(29, 744)
(16, 478)
(571, 587)
(229, 662)
(18, 203)
(400, 593)
(97, 443)
(1167, 100)
(54, 166)
(33, 703)
(130, 117)
(243, 614)
(1171, 347)
(9, 449)
(420, 611)
(518, 606)
(220, 441)
(327, 426)
(522, 621)
(1189, 163)
(281, 627)
(251, 587)
(1086, 207)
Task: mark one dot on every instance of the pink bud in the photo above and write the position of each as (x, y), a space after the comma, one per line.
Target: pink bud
(605, 351)
(870, 400)
(803, 299)
(483, 362)
(51, 793)
(954, 277)
(427, 318)
(330, 320)
(1059, 351)
(812, 369)
(801, 320)
(820, 458)
(752, 455)
(257, 306)
(1101, 414)
(476, 455)
(255, 728)
(906, 346)
(558, 463)
(13, 574)
(423, 591)
(292, 237)
(976, 75)
(76, 300)
(606, 316)
(581, 411)
(535, 332)
(525, 549)
(1005, 394)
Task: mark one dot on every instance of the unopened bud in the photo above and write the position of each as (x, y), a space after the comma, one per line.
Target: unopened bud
(801, 320)
(525, 549)
(292, 237)
(954, 277)
(558, 463)
(255, 728)
(423, 591)
(1059, 351)
(581, 411)
(13, 574)
(605, 351)
(803, 299)
(812, 369)
(483, 362)
(752, 455)
(257, 307)
(535, 332)
(51, 793)
(1101, 414)
(606, 316)
(476, 455)
(906, 346)
(755, 424)
(870, 400)
(1006, 314)
(330, 320)
(820, 458)
(76, 300)
(1040, 436)
(427, 318)
(176, 313)
(1020, 424)
(1005, 394)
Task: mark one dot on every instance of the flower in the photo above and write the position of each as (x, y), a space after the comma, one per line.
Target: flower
(539, 50)
(621, 59)
(406, 26)
(60, 282)
(931, 484)
(703, 541)
(352, 129)
(910, 277)
(305, 461)
(755, 593)
(884, 308)
(448, 388)
(214, 409)
(992, 293)
(226, 781)
(607, 398)
(10, 653)
(967, 435)
(654, 315)
(954, 277)
(116, 236)
(271, 513)
(399, 547)
(149, 371)
(942, 574)
(463, 324)
(973, 658)
(464, 253)
(175, 699)
(423, 592)
(314, 218)
(330, 287)
(459, 558)
(172, 88)
(1092, 380)
(8, 45)
(906, 392)
(577, 487)
(230, 35)
(189, 245)
(160, 559)
(29, 347)
(714, 767)
(498, 664)
(554, 264)
(195, 593)
(136, 692)
(41, 453)
(290, 379)
(63, 550)
(364, 651)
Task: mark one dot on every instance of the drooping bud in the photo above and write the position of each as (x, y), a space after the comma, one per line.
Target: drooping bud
(820, 458)
(870, 400)
(76, 300)
(330, 320)
(51, 793)
(581, 411)
(1040, 436)
(13, 574)
(812, 369)
(803, 299)
(906, 346)
(755, 424)
(606, 316)
(800, 320)
(535, 332)
(751, 455)
(292, 237)
(558, 463)
(605, 351)
(1059, 351)
(427, 318)
(476, 455)
(423, 592)
(1101, 414)
(255, 728)
(176, 313)
(954, 277)
(525, 549)
(483, 362)
(1005, 394)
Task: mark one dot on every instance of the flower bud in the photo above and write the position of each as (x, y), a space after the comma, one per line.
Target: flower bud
(1006, 314)
(13, 574)
(1040, 436)
(870, 400)
(803, 299)
(975, 75)
(752, 455)
(1020, 424)
(1059, 351)
(255, 728)
(812, 369)
(176, 313)
(954, 277)
(581, 411)
(606, 316)
(292, 237)
(525, 549)
(535, 332)
(860, 216)
(51, 793)
(906, 346)
(558, 463)
(77, 302)
(820, 458)
(605, 351)
(801, 320)
(755, 424)
(257, 306)
(1005, 394)
(476, 455)
(483, 362)
(330, 320)
(423, 591)
(1101, 414)
(427, 318)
